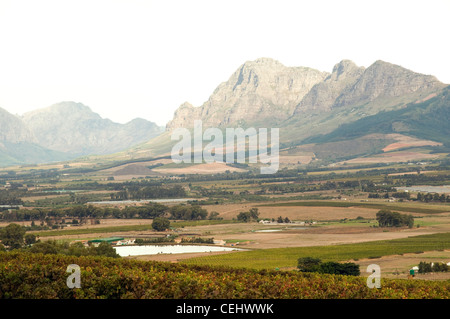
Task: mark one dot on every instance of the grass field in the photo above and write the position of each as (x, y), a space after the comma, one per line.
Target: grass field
(287, 257)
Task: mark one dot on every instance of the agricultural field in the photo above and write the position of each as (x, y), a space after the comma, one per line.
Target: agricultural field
(326, 213)
(287, 257)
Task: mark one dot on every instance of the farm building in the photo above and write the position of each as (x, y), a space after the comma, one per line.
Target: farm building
(125, 242)
(111, 240)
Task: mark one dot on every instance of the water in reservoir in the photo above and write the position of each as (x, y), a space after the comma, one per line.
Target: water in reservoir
(124, 251)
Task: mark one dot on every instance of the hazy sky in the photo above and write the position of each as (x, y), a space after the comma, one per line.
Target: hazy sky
(142, 58)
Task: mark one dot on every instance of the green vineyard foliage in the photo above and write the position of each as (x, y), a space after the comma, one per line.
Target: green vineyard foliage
(39, 276)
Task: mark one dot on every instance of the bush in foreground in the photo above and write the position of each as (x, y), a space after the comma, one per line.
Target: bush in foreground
(27, 275)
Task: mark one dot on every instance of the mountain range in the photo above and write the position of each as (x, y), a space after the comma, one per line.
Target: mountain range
(65, 131)
(352, 111)
(265, 92)
(348, 112)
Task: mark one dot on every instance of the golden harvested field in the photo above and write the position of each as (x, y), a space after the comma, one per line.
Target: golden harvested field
(300, 213)
(407, 141)
(212, 168)
(392, 157)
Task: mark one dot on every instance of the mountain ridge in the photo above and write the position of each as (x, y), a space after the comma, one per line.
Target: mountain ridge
(64, 131)
(74, 128)
(308, 105)
(349, 94)
(265, 92)
(263, 89)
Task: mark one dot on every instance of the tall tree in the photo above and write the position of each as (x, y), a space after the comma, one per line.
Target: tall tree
(12, 236)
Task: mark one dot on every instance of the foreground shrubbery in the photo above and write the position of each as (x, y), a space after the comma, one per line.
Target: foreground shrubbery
(26, 275)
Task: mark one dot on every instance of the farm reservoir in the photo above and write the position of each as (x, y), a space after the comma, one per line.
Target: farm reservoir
(125, 251)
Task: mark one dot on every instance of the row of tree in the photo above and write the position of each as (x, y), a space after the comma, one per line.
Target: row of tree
(75, 249)
(311, 264)
(386, 218)
(425, 267)
(197, 240)
(13, 237)
(10, 197)
(403, 195)
(363, 185)
(84, 213)
(282, 220)
(185, 212)
(433, 197)
(251, 215)
(428, 197)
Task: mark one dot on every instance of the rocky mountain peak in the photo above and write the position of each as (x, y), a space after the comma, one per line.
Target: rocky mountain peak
(12, 128)
(264, 61)
(263, 90)
(185, 105)
(386, 80)
(266, 92)
(75, 129)
(345, 68)
(323, 95)
(71, 110)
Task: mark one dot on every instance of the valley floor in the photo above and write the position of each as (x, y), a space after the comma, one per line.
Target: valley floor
(322, 232)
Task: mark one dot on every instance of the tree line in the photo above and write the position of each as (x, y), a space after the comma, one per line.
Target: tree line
(82, 214)
(425, 267)
(428, 197)
(14, 237)
(11, 197)
(433, 197)
(402, 195)
(386, 218)
(251, 215)
(311, 264)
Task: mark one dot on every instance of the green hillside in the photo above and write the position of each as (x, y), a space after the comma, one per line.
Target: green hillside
(28, 153)
(428, 120)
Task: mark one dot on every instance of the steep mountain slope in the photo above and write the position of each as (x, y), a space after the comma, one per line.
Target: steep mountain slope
(21, 153)
(12, 129)
(260, 92)
(74, 129)
(427, 119)
(386, 80)
(323, 95)
(353, 93)
(18, 145)
(305, 102)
